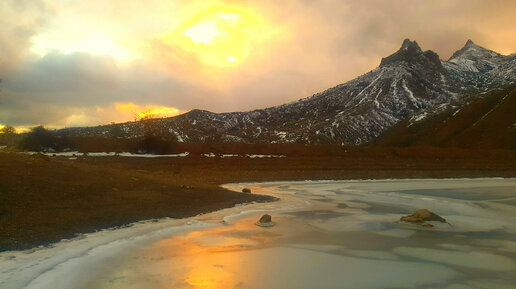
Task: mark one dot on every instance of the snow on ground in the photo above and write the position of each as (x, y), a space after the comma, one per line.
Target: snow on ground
(252, 156)
(110, 154)
(265, 156)
(75, 154)
(229, 155)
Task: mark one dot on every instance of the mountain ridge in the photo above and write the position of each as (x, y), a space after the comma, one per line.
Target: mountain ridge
(356, 112)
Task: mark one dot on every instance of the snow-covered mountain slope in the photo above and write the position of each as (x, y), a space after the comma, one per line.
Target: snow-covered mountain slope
(406, 83)
(483, 121)
(477, 67)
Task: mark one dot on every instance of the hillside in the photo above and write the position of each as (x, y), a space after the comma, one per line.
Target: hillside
(484, 121)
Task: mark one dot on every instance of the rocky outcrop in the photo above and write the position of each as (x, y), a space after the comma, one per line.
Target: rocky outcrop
(265, 221)
(421, 216)
(411, 53)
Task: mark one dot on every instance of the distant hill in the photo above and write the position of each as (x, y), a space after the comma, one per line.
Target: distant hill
(407, 83)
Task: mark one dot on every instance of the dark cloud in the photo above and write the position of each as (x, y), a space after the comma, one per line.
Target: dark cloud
(59, 83)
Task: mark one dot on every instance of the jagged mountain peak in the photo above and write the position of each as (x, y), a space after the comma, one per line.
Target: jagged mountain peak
(469, 43)
(411, 53)
(410, 45)
(473, 51)
(477, 59)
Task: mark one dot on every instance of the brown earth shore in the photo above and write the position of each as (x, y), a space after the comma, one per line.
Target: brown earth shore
(45, 199)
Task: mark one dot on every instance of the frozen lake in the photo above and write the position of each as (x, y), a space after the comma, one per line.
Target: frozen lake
(328, 234)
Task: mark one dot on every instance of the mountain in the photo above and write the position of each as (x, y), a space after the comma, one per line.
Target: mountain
(406, 83)
(480, 68)
(483, 121)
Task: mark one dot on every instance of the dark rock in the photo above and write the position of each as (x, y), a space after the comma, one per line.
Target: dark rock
(411, 53)
(265, 221)
(421, 216)
(246, 190)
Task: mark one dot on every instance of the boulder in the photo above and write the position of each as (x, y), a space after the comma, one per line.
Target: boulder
(246, 190)
(421, 216)
(265, 221)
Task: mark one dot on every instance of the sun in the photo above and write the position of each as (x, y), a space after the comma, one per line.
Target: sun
(221, 36)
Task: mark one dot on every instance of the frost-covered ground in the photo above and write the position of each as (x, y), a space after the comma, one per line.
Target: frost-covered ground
(74, 154)
(328, 234)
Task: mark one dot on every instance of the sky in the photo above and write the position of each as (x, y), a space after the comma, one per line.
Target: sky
(80, 63)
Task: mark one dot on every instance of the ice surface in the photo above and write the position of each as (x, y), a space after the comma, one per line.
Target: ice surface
(328, 234)
(280, 268)
(478, 260)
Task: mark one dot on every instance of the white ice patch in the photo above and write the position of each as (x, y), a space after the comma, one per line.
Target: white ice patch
(254, 156)
(110, 154)
(229, 155)
(185, 154)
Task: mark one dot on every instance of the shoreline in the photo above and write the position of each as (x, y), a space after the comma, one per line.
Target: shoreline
(45, 200)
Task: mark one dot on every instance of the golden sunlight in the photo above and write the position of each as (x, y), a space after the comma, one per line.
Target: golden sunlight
(17, 129)
(145, 112)
(203, 32)
(221, 36)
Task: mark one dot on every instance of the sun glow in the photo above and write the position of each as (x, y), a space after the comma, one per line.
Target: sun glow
(222, 36)
(146, 112)
(203, 32)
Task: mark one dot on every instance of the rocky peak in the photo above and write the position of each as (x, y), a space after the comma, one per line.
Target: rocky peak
(411, 46)
(473, 52)
(411, 53)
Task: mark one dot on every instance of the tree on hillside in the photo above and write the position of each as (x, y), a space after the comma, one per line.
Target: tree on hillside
(8, 136)
(155, 138)
(42, 139)
(8, 130)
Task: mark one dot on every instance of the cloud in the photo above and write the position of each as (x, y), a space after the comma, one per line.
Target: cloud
(60, 64)
(19, 21)
(118, 112)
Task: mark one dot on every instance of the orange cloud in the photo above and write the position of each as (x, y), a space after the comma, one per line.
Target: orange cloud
(117, 112)
(147, 111)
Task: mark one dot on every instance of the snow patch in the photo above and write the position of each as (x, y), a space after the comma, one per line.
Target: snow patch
(265, 156)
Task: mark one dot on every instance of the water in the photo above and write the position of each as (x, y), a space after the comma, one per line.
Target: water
(333, 234)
